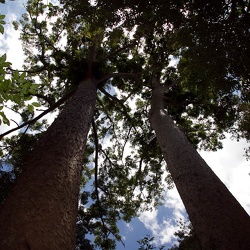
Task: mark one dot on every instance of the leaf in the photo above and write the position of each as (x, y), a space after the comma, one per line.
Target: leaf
(1, 29)
(15, 25)
(5, 96)
(22, 76)
(5, 119)
(16, 75)
(3, 58)
(36, 104)
(30, 108)
(34, 86)
(16, 99)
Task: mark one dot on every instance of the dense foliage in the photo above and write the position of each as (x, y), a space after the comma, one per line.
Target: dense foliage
(197, 50)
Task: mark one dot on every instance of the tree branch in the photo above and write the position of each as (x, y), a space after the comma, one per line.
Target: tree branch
(124, 109)
(126, 140)
(45, 98)
(116, 52)
(120, 75)
(96, 160)
(54, 106)
(106, 228)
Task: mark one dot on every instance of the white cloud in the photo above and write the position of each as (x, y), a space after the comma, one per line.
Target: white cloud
(13, 48)
(232, 168)
(162, 229)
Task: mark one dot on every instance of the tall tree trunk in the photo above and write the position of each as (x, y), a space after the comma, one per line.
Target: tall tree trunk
(40, 212)
(218, 219)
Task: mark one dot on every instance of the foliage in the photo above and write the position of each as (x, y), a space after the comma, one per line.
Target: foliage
(187, 237)
(15, 87)
(206, 93)
(146, 243)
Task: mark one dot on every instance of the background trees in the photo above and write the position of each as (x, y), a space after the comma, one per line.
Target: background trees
(204, 102)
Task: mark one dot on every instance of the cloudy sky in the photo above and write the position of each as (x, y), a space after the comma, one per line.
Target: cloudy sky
(229, 163)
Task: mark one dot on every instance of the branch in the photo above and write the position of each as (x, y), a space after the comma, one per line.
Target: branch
(45, 98)
(27, 71)
(116, 100)
(14, 122)
(120, 75)
(107, 158)
(124, 109)
(54, 106)
(116, 52)
(126, 140)
(138, 173)
(108, 116)
(106, 228)
(172, 84)
(96, 169)
(96, 160)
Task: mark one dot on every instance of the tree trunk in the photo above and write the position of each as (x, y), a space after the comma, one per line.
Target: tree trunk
(40, 213)
(218, 219)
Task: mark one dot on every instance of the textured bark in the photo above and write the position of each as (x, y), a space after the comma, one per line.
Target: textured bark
(40, 213)
(218, 219)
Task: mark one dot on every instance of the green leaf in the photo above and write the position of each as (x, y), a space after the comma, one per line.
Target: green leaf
(15, 24)
(5, 119)
(22, 76)
(34, 86)
(3, 58)
(1, 29)
(30, 108)
(16, 75)
(36, 104)
(5, 96)
(16, 99)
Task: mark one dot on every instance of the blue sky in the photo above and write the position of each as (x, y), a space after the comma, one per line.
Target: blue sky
(229, 164)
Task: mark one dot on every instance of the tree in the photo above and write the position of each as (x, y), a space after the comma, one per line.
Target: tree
(219, 220)
(199, 188)
(174, 145)
(64, 68)
(59, 168)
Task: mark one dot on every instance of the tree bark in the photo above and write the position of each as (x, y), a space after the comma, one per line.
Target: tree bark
(40, 212)
(218, 219)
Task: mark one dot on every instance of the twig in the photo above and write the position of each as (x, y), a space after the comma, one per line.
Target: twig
(14, 122)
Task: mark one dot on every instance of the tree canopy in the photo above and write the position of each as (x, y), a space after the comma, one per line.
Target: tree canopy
(207, 90)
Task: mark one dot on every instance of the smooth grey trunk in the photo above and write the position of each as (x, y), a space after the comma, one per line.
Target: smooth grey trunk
(217, 217)
(40, 213)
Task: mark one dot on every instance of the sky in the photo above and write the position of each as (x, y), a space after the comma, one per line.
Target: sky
(229, 163)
